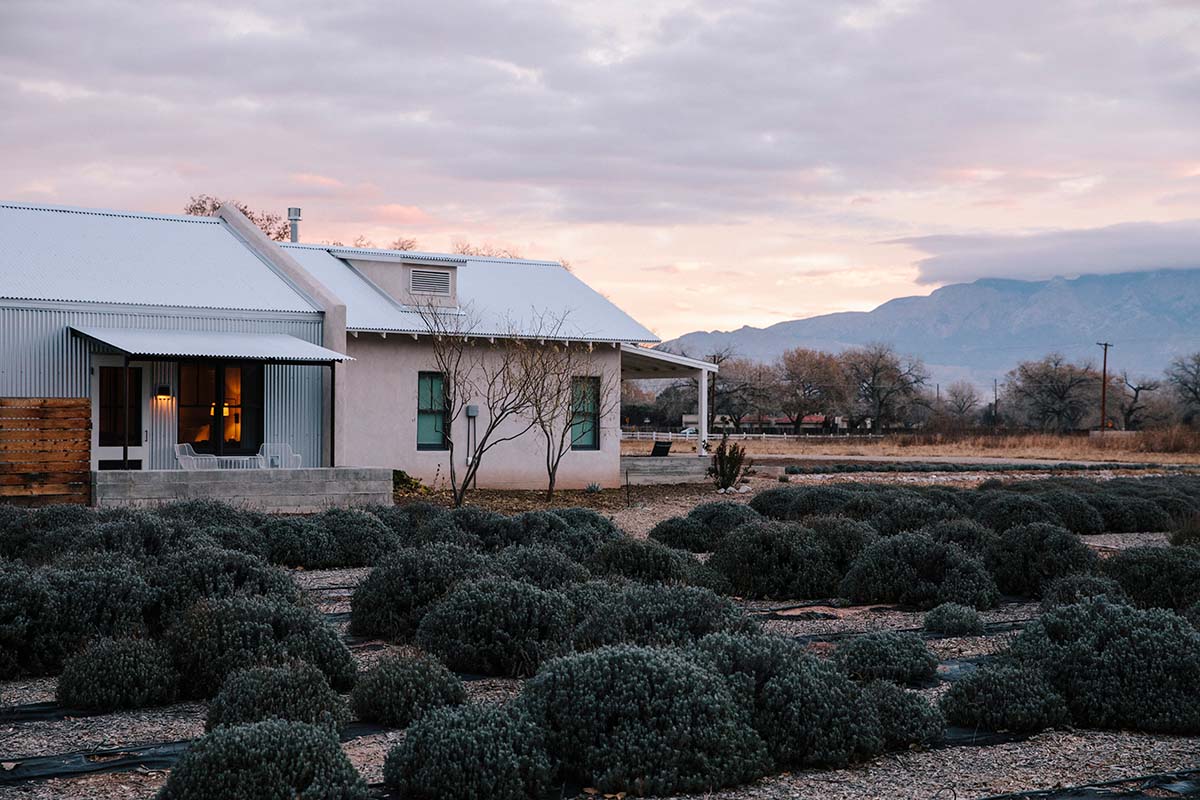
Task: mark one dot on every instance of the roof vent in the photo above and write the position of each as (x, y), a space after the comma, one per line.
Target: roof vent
(430, 281)
(294, 223)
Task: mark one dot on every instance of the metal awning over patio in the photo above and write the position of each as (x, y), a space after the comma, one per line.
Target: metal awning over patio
(151, 344)
(642, 362)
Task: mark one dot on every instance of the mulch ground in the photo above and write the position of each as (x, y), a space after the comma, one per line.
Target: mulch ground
(1051, 759)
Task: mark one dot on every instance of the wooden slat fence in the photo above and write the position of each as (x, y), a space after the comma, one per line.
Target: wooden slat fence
(45, 450)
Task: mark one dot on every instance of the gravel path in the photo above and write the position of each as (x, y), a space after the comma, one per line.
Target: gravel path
(1043, 762)
(23, 691)
(1056, 758)
(119, 729)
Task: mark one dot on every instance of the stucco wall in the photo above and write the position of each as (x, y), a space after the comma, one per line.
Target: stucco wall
(379, 427)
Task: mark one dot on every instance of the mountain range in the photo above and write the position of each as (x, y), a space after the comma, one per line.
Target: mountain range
(978, 331)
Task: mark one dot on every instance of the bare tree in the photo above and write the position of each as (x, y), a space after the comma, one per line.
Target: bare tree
(1133, 400)
(273, 225)
(361, 241)
(683, 394)
(465, 248)
(741, 389)
(482, 371)
(962, 401)
(566, 381)
(882, 381)
(1184, 376)
(810, 382)
(1053, 394)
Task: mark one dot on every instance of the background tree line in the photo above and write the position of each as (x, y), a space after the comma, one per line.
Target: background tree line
(874, 388)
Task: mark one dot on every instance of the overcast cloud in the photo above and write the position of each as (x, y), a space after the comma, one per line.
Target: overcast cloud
(703, 163)
(1129, 247)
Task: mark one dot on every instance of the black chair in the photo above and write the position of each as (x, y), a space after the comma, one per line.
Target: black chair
(661, 449)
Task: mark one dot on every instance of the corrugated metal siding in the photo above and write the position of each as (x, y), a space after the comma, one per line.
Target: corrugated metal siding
(39, 357)
(293, 409)
(164, 415)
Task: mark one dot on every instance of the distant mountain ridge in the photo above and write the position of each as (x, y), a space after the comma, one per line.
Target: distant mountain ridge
(978, 331)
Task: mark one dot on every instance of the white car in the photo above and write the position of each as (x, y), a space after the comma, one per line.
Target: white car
(689, 431)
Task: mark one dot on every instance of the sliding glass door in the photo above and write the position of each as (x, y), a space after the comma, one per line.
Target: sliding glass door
(221, 407)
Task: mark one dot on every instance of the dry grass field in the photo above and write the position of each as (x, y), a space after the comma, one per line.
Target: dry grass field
(1169, 446)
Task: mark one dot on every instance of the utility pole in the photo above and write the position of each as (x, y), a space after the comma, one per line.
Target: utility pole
(995, 405)
(1104, 387)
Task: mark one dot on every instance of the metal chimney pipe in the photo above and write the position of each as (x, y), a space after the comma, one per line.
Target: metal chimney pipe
(294, 223)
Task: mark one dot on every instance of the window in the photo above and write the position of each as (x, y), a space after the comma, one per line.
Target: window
(221, 408)
(429, 281)
(585, 414)
(432, 411)
(112, 407)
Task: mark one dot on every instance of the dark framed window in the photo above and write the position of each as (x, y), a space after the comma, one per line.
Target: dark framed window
(112, 407)
(221, 407)
(433, 411)
(585, 413)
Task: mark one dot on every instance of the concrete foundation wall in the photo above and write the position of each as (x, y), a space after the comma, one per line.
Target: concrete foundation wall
(379, 428)
(298, 491)
(647, 470)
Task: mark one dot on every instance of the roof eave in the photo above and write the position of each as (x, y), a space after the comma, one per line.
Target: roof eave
(504, 335)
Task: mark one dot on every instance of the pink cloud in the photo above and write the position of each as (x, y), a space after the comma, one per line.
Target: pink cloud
(401, 215)
(312, 179)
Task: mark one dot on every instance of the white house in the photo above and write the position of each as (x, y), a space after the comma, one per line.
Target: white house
(201, 331)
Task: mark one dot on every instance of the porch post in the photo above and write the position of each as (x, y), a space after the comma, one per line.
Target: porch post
(702, 441)
(125, 409)
(332, 413)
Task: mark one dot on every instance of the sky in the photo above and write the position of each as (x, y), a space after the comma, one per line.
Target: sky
(706, 165)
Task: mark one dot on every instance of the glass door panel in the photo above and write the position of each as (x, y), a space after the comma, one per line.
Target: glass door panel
(197, 406)
(231, 409)
(221, 408)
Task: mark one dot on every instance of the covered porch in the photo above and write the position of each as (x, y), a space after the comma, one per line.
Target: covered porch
(176, 399)
(641, 363)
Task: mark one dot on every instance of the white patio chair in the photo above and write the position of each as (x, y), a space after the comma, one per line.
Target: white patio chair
(189, 459)
(279, 456)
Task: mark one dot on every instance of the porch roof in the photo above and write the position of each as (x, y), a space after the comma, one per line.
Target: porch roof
(642, 362)
(157, 344)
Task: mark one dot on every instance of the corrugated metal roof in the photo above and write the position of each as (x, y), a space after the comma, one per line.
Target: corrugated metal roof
(61, 253)
(207, 344)
(499, 296)
(367, 308)
(398, 255)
